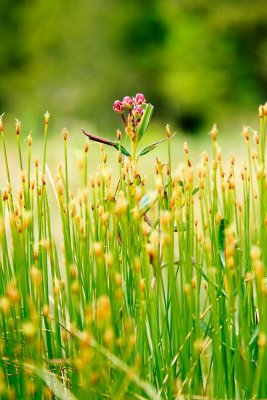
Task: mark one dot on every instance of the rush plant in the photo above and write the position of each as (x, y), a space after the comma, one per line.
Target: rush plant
(148, 295)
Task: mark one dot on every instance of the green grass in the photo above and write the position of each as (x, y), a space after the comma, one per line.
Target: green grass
(144, 294)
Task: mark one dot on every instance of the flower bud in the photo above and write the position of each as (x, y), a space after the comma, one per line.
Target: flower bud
(118, 107)
(139, 99)
(138, 112)
(128, 102)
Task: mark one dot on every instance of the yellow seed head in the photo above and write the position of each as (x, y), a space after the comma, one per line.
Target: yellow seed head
(1, 123)
(245, 133)
(230, 262)
(36, 276)
(142, 285)
(168, 132)
(118, 279)
(118, 135)
(46, 116)
(46, 310)
(98, 250)
(194, 282)
(165, 218)
(75, 287)
(185, 148)
(18, 126)
(103, 309)
(12, 293)
(258, 268)
(29, 329)
(109, 337)
(262, 340)
(255, 253)
(187, 289)
(86, 147)
(121, 205)
(4, 305)
(214, 132)
(73, 271)
(208, 245)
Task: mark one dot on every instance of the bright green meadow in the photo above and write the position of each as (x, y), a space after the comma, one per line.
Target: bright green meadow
(113, 287)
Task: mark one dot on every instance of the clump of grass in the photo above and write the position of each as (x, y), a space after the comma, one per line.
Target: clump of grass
(155, 295)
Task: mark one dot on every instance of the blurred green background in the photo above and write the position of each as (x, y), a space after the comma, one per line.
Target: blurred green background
(197, 61)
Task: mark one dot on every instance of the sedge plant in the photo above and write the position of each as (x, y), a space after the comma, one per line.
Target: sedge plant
(153, 295)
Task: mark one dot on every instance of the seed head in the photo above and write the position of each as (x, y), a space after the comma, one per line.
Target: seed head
(185, 148)
(245, 133)
(4, 305)
(1, 123)
(255, 253)
(121, 205)
(262, 340)
(256, 138)
(36, 276)
(29, 329)
(168, 132)
(18, 126)
(29, 140)
(103, 309)
(86, 147)
(46, 116)
(98, 250)
(65, 133)
(46, 310)
(214, 132)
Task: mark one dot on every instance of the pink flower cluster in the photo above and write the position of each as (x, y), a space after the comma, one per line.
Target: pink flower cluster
(130, 103)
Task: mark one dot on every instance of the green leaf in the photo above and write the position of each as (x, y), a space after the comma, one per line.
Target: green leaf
(254, 338)
(180, 227)
(181, 183)
(221, 237)
(121, 148)
(60, 391)
(141, 130)
(151, 147)
(206, 329)
(195, 190)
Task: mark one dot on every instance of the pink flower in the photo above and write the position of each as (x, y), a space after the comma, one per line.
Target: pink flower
(138, 112)
(118, 107)
(139, 99)
(128, 102)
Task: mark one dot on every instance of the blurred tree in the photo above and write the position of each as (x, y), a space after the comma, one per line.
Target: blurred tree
(191, 58)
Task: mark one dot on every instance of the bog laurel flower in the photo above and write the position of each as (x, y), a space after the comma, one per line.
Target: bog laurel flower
(139, 99)
(118, 107)
(138, 112)
(128, 102)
